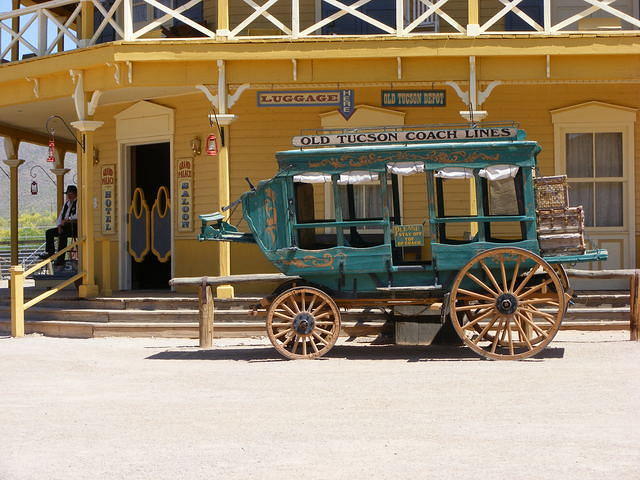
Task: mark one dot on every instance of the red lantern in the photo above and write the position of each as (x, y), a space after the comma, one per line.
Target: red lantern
(212, 145)
(34, 188)
(52, 152)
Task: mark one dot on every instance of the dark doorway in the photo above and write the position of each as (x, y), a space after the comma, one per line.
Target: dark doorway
(150, 170)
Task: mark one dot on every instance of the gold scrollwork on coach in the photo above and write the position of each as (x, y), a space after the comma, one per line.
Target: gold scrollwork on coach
(434, 156)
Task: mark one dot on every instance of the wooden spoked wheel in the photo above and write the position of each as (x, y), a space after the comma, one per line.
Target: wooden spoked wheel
(507, 303)
(303, 322)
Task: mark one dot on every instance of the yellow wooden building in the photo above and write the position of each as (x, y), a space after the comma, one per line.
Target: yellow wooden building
(144, 83)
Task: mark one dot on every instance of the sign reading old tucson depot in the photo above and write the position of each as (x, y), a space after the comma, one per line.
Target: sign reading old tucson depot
(405, 136)
(414, 98)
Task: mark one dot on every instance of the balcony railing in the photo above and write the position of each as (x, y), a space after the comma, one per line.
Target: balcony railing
(59, 25)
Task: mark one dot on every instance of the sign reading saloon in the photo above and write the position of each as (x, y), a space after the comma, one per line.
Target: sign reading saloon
(407, 136)
(414, 98)
(185, 194)
(343, 99)
(108, 185)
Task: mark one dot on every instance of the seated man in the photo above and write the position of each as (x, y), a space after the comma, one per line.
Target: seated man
(67, 225)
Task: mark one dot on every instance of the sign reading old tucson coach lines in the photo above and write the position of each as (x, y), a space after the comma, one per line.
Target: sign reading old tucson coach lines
(406, 136)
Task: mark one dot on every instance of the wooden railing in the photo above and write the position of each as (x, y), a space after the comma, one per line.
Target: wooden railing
(16, 285)
(634, 291)
(58, 25)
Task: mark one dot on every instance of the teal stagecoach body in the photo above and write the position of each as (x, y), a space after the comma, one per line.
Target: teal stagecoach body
(478, 195)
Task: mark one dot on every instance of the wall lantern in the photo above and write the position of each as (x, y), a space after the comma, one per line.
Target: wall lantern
(34, 188)
(212, 145)
(196, 146)
(51, 157)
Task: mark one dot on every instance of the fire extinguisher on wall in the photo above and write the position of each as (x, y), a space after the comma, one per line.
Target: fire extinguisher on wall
(212, 145)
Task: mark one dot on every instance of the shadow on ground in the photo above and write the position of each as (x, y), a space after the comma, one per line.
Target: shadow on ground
(349, 352)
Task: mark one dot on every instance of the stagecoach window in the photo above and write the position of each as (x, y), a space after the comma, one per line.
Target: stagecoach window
(405, 168)
(456, 196)
(309, 199)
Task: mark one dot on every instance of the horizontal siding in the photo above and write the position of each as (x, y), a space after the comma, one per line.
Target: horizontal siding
(258, 133)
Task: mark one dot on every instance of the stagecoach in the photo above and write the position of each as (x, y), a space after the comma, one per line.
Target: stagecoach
(437, 224)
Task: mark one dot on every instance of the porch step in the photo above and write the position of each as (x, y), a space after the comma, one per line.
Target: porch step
(164, 314)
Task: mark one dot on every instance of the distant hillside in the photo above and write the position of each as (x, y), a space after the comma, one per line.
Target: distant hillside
(45, 201)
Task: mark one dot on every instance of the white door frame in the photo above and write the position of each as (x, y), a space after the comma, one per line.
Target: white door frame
(124, 193)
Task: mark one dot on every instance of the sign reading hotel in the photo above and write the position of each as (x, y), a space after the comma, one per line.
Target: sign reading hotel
(185, 194)
(408, 235)
(108, 185)
(406, 136)
(414, 98)
(343, 99)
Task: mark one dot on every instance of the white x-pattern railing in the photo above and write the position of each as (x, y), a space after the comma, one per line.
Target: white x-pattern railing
(410, 14)
(42, 30)
(551, 26)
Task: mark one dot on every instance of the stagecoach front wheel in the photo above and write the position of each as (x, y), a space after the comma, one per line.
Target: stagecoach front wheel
(303, 322)
(507, 303)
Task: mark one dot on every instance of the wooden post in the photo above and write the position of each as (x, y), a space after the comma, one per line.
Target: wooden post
(17, 300)
(206, 313)
(86, 27)
(88, 289)
(223, 19)
(634, 306)
(473, 25)
(59, 171)
(15, 26)
(11, 148)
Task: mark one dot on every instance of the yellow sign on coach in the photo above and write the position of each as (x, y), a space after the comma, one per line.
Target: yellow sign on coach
(409, 235)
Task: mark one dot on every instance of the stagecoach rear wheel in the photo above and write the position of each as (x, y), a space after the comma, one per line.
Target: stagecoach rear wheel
(507, 303)
(303, 322)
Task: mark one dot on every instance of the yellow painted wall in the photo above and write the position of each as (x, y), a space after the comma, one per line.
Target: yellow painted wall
(260, 132)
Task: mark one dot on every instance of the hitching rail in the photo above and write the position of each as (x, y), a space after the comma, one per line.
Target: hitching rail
(206, 307)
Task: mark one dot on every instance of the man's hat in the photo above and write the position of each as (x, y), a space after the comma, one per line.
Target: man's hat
(72, 189)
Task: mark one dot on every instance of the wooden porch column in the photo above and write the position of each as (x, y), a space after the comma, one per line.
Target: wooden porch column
(224, 291)
(15, 26)
(11, 146)
(86, 26)
(223, 120)
(473, 25)
(223, 19)
(88, 289)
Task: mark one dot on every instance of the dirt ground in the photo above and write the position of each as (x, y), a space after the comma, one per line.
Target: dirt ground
(162, 409)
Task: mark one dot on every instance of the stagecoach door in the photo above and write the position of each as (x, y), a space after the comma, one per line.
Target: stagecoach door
(149, 216)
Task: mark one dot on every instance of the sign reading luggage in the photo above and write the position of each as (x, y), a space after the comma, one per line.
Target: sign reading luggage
(409, 235)
(185, 194)
(108, 185)
(403, 136)
(414, 98)
(343, 99)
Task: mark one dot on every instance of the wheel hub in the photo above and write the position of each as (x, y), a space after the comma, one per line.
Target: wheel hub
(507, 304)
(303, 323)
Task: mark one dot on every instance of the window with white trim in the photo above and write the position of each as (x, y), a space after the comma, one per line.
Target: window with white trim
(594, 166)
